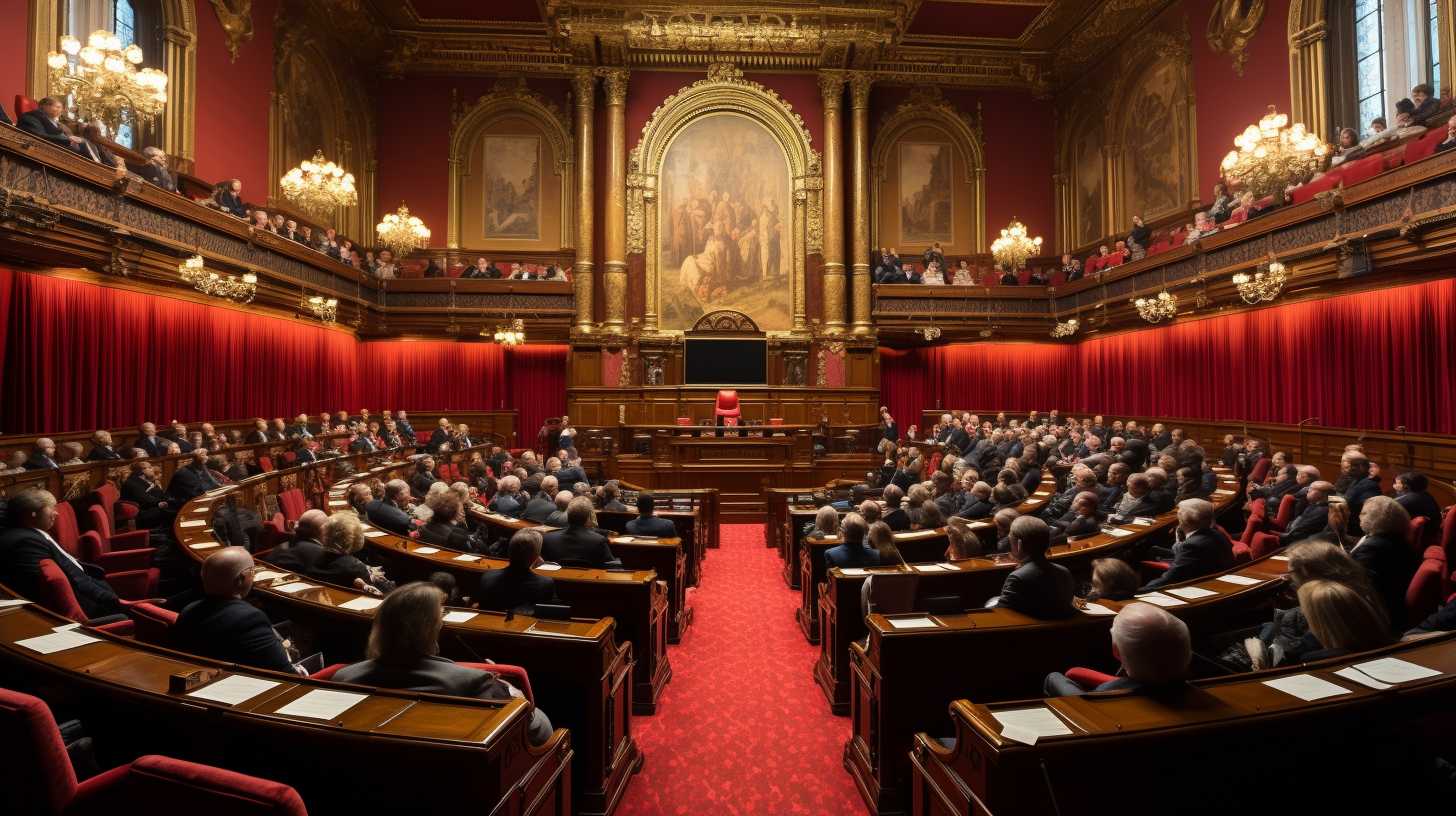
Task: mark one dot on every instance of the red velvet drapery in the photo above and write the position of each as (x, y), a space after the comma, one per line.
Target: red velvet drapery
(80, 356)
(1369, 360)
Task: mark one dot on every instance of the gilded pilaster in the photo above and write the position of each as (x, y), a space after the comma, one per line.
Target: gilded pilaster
(1308, 50)
(859, 96)
(584, 89)
(614, 249)
(1112, 201)
(831, 87)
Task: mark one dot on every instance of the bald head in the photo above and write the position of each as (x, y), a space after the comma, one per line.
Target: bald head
(228, 573)
(311, 524)
(1154, 646)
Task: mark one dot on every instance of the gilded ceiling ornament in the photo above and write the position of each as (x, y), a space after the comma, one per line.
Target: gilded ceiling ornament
(236, 18)
(1232, 25)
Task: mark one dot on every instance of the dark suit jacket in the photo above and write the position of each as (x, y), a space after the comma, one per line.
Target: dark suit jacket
(21, 551)
(1420, 504)
(652, 526)
(39, 461)
(845, 556)
(36, 123)
(155, 446)
(897, 519)
(420, 483)
(448, 535)
(569, 476)
(439, 437)
(232, 630)
(299, 556)
(1040, 589)
(147, 496)
(1146, 506)
(1355, 496)
(387, 516)
(338, 569)
(1203, 553)
(158, 176)
(505, 505)
(232, 204)
(1312, 521)
(509, 589)
(539, 509)
(100, 454)
(1391, 565)
(363, 444)
(189, 482)
(577, 545)
(976, 508)
(1075, 526)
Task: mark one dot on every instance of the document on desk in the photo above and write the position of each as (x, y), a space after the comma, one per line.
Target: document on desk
(193, 523)
(1241, 580)
(363, 603)
(1096, 609)
(624, 539)
(1278, 558)
(853, 571)
(1223, 492)
(58, 641)
(267, 575)
(233, 689)
(1027, 725)
(204, 545)
(932, 568)
(426, 550)
(459, 617)
(1395, 670)
(1354, 675)
(1159, 599)
(1032, 502)
(1143, 521)
(295, 586)
(466, 557)
(1042, 493)
(548, 567)
(322, 704)
(10, 602)
(1306, 687)
(913, 623)
(1191, 593)
(375, 533)
(1116, 532)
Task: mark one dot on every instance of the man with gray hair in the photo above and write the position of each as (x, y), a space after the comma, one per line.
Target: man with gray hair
(1200, 550)
(32, 515)
(1314, 516)
(392, 511)
(1038, 588)
(543, 503)
(1154, 647)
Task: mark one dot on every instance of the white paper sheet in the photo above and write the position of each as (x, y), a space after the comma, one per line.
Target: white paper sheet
(466, 557)
(1097, 609)
(948, 567)
(1159, 599)
(363, 603)
(1144, 521)
(1032, 502)
(853, 571)
(1241, 580)
(624, 539)
(204, 545)
(1027, 725)
(1042, 493)
(1191, 593)
(57, 641)
(548, 567)
(1395, 670)
(322, 704)
(267, 575)
(426, 550)
(913, 623)
(929, 568)
(1223, 492)
(375, 533)
(233, 689)
(193, 523)
(459, 617)
(9, 602)
(1306, 687)
(1116, 532)
(1354, 675)
(1278, 558)
(295, 586)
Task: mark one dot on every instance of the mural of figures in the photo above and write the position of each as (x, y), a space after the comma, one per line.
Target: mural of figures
(513, 187)
(1088, 189)
(925, 193)
(1153, 139)
(724, 237)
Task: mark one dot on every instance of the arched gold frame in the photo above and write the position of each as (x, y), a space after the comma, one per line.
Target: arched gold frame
(179, 61)
(1153, 48)
(929, 109)
(723, 91)
(519, 101)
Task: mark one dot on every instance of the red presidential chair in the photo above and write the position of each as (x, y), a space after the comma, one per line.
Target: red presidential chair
(727, 407)
(24, 105)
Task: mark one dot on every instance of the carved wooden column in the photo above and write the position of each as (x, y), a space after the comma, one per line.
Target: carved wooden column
(831, 87)
(614, 250)
(859, 96)
(584, 89)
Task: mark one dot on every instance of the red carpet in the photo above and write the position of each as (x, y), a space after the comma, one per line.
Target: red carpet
(742, 728)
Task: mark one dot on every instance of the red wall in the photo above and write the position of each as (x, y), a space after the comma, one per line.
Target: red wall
(1353, 361)
(14, 42)
(233, 100)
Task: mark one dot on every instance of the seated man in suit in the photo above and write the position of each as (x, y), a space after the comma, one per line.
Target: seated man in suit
(611, 498)
(1200, 550)
(508, 500)
(543, 504)
(558, 516)
(1155, 650)
(1314, 518)
(852, 551)
(423, 477)
(1387, 558)
(516, 588)
(579, 545)
(1410, 492)
(648, 524)
(222, 625)
(141, 488)
(441, 435)
(31, 515)
(1138, 500)
(895, 517)
(148, 441)
(102, 449)
(403, 654)
(1084, 519)
(303, 552)
(1356, 468)
(1038, 587)
(571, 472)
(192, 480)
(391, 512)
(45, 122)
(446, 527)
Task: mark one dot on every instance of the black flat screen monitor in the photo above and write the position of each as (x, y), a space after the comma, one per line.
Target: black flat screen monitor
(713, 361)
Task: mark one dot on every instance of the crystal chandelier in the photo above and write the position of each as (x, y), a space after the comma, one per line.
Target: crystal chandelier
(1014, 247)
(318, 186)
(194, 271)
(1066, 328)
(1264, 285)
(510, 333)
(1272, 156)
(930, 332)
(325, 309)
(402, 232)
(1156, 309)
(103, 81)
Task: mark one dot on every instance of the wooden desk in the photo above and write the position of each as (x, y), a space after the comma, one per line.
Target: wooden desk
(1230, 745)
(914, 545)
(475, 749)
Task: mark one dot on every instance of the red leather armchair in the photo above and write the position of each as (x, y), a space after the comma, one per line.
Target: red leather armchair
(727, 407)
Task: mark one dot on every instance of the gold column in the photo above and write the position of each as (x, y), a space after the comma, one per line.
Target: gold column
(584, 90)
(614, 250)
(831, 87)
(1308, 50)
(1112, 206)
(1063, 241)
(859, 95)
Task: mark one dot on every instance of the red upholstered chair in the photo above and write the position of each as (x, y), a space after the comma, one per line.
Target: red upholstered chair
(727, 405)
(1285, 514)
(1417, 534)
(1242, 553)
(1424, 594)
(24, 105)
(37, 776)
(685, 421)
(266, 463)
(1307, 192)
(183, 787)
(515, 675)
(101, 526)
(1260, 471)
(293, 504)
(274, 531)
(92, 549)
(56, 595)
(1424, 147)
(1261, 544)
(1089, 679)
(1363, 169)
(122, 513)
(151, 622)
(1257, 510)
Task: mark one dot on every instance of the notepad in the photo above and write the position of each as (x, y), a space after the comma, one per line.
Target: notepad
(548, 567)
(1241, 580)
(466, 557)
(1143, 521)
(854, 571)
(625, 539)
(13, 602)
(426, 550)
(267, 575)
(1159, 599)
(949, 567)
(1032, 502)
(1306, 687)
(296, 586)
(1097, 609)
(57, 641)
(1116, 532)
(913, 623)
(193, 523)
(322, 704)
(233, 689)
(1354, 675)
(1192, 593)
(459, 617)
(1027, 725)
(363, 603)
(1278, 558)
(1042, 493)
(204, 545)
(1395, 670)
(929, 568)
(375, 533)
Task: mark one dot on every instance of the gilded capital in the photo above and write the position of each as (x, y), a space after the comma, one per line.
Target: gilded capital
(614, 83)
(831, 87)
(859, 89)
(584, 87)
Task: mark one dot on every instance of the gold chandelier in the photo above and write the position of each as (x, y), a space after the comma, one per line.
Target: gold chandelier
(103, 81)
(319, 186)
(402, 232)
(1264, 285)
(1163, 306)
(325, 309)
(1272, 156)
(1014, 246)
(1066, 328)
(510, 333)
(194, 271)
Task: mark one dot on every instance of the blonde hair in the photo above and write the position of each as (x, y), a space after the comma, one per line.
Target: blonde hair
(826, 521)
(1341, 618)
(343, 533)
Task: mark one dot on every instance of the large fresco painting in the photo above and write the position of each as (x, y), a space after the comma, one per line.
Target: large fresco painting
(724, 234)
(513, 187)
(926, 202)
(1088, 189)
(1154, 141)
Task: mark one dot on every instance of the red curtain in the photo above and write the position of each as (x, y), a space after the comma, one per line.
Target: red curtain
(535, 387)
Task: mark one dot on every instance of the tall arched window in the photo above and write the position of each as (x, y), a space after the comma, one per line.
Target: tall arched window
(124, 25)
(1379, 51)
(1369, 60)
(133, 21)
